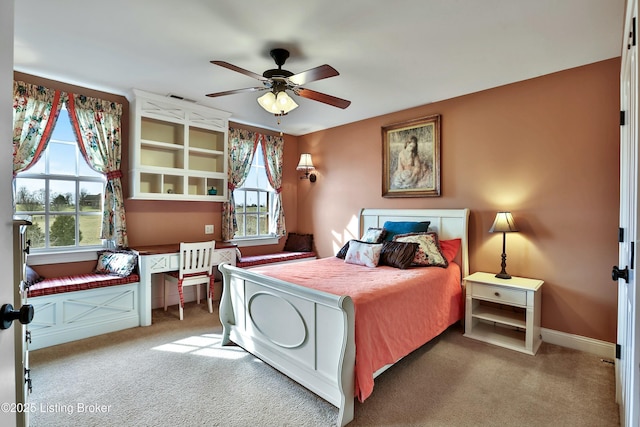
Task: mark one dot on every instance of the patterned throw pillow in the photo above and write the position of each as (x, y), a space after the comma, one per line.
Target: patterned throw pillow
(32, 275)
(373, 235)
(121, 263)
(429, 252)
(362, 253)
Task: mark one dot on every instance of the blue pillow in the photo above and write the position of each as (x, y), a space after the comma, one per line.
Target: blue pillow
(392, 228)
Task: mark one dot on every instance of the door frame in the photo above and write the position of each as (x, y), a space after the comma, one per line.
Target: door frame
(7, 336)
(627, 368)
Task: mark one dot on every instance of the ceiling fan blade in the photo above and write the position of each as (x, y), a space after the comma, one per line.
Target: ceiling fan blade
(322, 97)
(318, 73)
(240, 70)
(231, 92)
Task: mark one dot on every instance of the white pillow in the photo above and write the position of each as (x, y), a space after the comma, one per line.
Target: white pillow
(360, 253)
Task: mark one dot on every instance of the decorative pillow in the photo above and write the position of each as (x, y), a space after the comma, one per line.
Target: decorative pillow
(299, 243)
(450, 248)
(361, 253)
(398, 254)
(238, 254)
(343, 251)
(392, 228)
(32, 275)
(429, 252)
(373, 235)
(117, 262)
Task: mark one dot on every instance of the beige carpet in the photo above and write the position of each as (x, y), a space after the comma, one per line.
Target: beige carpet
(175, 373)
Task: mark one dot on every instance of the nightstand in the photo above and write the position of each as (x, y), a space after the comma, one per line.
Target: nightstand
(504, 312)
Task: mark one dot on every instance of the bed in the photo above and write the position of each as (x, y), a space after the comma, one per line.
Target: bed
(307, 329)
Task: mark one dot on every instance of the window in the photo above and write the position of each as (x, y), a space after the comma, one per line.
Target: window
(62, 194)
(254, 201)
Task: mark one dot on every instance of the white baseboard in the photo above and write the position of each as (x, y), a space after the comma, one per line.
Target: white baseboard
(600, 348)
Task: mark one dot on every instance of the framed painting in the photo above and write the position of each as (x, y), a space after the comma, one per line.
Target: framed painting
(411, 158)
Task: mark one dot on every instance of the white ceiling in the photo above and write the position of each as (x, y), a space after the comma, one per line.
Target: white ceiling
(391, 55)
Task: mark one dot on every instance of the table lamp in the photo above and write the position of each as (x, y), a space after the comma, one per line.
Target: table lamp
(503, 224)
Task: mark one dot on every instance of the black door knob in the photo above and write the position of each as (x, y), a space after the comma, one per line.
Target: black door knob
(8, 315)
(616, 274)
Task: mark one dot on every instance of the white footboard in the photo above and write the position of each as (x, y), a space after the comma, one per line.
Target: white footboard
(306, 334)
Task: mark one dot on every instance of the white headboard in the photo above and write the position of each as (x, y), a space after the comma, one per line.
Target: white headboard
(448, 223)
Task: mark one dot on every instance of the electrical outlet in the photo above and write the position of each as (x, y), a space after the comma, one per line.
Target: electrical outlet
(208, 229)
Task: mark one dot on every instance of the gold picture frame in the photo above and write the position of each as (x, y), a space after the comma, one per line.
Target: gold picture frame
(411, 158)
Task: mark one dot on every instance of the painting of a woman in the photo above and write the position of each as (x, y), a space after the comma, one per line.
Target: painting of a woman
(411, 158)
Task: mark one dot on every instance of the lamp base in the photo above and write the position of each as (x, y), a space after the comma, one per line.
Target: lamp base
(502, 275)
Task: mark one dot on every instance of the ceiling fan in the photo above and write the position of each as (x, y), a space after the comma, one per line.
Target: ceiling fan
(278, 81)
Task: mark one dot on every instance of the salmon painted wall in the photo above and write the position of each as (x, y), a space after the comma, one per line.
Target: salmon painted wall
(545, 149)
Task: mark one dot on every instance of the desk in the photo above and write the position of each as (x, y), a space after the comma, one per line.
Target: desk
(161, 258)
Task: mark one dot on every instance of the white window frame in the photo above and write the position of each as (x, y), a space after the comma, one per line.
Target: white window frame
(266, 238)
(51, 255)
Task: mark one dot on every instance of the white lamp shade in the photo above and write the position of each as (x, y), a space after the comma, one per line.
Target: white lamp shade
(305, 163)
(503, 223)
(268, 102)
(285, 102)
(281, 103)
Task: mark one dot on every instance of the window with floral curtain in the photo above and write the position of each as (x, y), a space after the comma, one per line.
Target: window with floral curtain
(97, 124)
(242, 147)
(35, 111)
(273, 149)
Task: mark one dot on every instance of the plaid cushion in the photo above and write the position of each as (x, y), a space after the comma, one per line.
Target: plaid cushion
(249, 261)
(78, 282)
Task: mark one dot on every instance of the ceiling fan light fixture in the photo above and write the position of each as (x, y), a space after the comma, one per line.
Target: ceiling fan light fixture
(278, 104)
(267, 101)
(277, 101)
(285, 102)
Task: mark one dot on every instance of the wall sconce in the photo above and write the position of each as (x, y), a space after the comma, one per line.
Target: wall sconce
(305, 164)
(503, 224)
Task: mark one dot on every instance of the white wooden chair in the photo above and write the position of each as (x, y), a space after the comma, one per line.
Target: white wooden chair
(196, 268)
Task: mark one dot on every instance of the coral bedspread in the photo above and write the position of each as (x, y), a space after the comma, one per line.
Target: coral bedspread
(396, 311)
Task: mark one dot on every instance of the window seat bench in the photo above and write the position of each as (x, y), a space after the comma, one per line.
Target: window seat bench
(81, 306)
(274, 258)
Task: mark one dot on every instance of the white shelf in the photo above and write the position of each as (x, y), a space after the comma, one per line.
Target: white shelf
(178, 150)
(499, 335)
(161, 145)
(504, 317)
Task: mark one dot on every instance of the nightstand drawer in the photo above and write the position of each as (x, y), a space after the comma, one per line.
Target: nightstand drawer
(500, 294)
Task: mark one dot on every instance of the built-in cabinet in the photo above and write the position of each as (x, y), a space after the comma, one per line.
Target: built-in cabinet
(178, 149)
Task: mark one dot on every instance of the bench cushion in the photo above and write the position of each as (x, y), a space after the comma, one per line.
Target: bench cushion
(250, 261)
(78, 282)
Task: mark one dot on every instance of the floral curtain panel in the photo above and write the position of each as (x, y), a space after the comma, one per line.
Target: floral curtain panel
(97, 125)
(273, 150)
(242, 145)
(35, 111)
